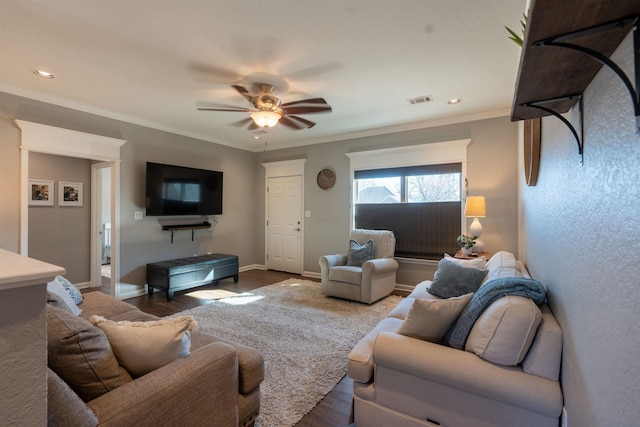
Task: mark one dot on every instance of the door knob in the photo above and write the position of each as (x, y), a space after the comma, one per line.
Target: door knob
(298, 229)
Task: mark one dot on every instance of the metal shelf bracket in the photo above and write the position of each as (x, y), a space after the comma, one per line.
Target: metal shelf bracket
(579, 138)
(632, 21)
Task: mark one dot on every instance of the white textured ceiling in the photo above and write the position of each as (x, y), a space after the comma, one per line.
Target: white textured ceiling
(150, 62)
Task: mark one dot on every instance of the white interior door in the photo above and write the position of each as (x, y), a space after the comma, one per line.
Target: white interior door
(284, 224)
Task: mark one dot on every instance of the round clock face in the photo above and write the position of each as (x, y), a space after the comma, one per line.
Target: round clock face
(326, 179)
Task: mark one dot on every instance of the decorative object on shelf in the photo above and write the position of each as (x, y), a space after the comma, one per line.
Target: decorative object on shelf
(40, 192)
(70, 193)
(532, 138)
(326, 179)
(466, 243)
(515, 36)
(476, 207)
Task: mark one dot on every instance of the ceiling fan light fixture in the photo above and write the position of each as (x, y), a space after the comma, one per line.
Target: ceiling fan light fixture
(265, 119)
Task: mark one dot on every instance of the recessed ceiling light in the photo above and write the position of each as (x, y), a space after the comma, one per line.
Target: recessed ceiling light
(43, 74)
(256, 137)
(454, 101)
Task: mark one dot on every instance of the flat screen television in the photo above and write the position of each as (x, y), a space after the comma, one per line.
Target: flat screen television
(177, 190)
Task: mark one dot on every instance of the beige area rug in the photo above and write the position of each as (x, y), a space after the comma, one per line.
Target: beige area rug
(304, 337)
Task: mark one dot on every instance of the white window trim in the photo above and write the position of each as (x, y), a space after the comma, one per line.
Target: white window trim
(435, 153)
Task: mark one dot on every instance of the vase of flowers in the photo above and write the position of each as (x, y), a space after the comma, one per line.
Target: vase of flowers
(466, 243)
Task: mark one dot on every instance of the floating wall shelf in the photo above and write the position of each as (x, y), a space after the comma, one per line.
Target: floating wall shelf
(192, 227)
(566, 43)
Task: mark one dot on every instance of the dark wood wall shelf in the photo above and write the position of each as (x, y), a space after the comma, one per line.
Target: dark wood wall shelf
(556, 77)
(192, 227)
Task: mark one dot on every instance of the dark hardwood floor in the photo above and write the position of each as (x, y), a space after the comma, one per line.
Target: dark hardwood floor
(333, 410)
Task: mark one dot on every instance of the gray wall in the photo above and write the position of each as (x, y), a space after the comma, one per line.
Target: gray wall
(142, 241)
(582, 240)
(61, 235)
(492, 171)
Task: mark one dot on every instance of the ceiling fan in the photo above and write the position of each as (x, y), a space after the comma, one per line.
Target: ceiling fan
(268, 110)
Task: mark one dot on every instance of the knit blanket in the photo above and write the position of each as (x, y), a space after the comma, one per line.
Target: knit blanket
(457, 334)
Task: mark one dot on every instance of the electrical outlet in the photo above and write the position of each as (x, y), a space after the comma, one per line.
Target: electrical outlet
(565, 422)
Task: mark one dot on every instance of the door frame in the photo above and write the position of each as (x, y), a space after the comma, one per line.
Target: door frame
(39, 138)
(280, 170)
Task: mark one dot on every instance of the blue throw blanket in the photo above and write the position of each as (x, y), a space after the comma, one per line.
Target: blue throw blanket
(456, 336)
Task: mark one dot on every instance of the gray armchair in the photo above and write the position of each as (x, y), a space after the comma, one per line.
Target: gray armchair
(374, 280)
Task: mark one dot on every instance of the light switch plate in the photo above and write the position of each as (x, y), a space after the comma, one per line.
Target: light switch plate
(137, 215)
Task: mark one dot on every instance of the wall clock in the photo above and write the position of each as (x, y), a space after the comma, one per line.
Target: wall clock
(326, 179)
(532, 136)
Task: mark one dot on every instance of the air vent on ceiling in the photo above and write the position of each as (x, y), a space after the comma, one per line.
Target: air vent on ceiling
(420, 99)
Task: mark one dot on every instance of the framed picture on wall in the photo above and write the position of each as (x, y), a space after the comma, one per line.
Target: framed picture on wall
(41, 192)
(69, 193)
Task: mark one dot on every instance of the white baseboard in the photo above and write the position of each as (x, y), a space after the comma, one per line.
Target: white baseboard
(82, 285)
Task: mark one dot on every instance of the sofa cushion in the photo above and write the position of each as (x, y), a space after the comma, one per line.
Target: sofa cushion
(430, 319)
(359, 253)
(81, 355)
(59, 297)
(453, 279)
(142, 347)
(504, 332)
(347, 274)
(96, 302)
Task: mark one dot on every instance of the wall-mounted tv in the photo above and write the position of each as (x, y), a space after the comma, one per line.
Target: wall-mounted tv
(177, 190)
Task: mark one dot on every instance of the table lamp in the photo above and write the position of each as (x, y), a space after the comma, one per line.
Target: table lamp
(476, 207)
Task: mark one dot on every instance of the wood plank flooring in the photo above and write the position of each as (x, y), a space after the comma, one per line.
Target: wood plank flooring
(333, 410)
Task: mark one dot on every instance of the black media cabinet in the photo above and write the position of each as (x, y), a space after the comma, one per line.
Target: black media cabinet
(185, 273)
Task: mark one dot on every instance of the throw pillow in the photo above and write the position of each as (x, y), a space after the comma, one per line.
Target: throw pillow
(142, 347)
(430, 319)
(81, 355)
(473, 262)
(505, 331)
(59, 297)
(358, 253)
(73, 292)
(453, 279)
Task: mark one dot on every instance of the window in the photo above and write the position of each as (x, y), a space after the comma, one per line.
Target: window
(426, 223)
(420, 204)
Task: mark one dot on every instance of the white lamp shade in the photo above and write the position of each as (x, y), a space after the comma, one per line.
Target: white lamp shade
(265, 119)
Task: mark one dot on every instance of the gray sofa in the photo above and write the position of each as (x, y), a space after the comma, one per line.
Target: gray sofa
(404, 381)
(218, 384)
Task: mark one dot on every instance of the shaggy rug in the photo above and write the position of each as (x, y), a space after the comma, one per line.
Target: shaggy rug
(303, 336)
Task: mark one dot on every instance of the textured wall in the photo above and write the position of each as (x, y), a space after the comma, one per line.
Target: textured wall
(582, 240)
(23, 353)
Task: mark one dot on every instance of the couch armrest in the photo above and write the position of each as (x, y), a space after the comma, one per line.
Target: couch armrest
(201, 389)
(466, 371)
(328, 261)
(379, 266)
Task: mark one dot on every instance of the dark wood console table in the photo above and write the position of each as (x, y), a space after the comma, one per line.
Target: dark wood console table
(185, 273)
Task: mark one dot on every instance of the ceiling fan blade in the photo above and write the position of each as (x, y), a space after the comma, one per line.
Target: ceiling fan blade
(309, 124)
(236, 110)
(286, 121)
(308, 109)
(244, 92)
(306, 101)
